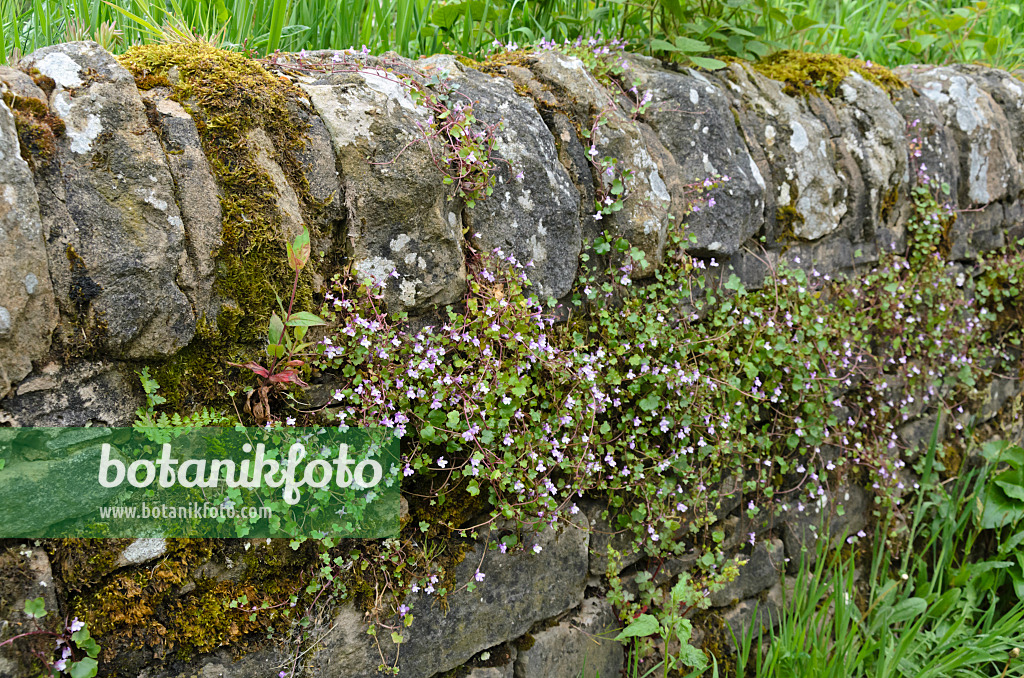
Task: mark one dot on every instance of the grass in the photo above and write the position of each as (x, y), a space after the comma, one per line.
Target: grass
(890, 34)
(945, 607)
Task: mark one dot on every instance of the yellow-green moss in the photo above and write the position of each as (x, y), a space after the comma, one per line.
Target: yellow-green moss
(228, 96)
(167, 604)
(804, 73)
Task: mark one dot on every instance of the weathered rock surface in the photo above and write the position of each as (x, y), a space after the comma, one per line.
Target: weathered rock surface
(763, 567)
(989, 166)
(691, 116)
(80, 394)
(28, 310)
(197, 194)
(809, 194)
(404, 224)
(116, 241)
(579, 647)
(534, 212)
(519, 590)
(650, 195)
(806, 524)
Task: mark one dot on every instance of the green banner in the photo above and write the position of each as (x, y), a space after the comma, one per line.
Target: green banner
(198, 482)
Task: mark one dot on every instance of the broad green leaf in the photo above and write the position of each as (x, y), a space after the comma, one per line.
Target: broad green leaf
(276, 329)
(85, 668)
(907, 609)
(707, 62)
(641, 627)
(305, 319)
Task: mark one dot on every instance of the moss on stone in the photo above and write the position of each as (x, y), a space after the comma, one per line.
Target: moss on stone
(228, 97)
(804, 73)
(171, 604)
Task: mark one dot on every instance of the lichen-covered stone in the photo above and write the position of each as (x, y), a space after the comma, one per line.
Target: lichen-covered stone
(874, 133)
(404, 224)
(581, 646)
(691, 116)
(810, 198)
(198, 197)
(989, 166)
(535, 218)
(653, 193)
(763, 567)
(115, 236)
(519, 590)
(28, 310)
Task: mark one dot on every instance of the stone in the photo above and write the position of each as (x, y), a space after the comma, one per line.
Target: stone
(603, 535)
(520, 589)
(28, 309)
(763, 568)
(691, 116)
(535, 218)
(262, 663)
(989, 167)
(999, 392)
(198, 197)
(800, 152)
(751, 616)
(405, 228)
(1008, 94)
(654, 191)
(77, 394)
(115, 239)
(491, 672)
(802, 529)
(874, 133)
(141, 551)
(580, 647)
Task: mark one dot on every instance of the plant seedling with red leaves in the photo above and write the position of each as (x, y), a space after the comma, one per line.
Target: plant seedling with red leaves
(285, 350)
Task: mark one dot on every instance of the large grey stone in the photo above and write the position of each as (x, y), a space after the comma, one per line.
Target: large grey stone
(821, 520)
(535, 218)
(28, 310)
(579, 647)
(763, 568)
(692, 118)
(653, 193)
(116, 240)
(799, 150)
(198, 197)
(266, 662)
(989, 167)
(404, 224)
(874, 133)
(520, 589)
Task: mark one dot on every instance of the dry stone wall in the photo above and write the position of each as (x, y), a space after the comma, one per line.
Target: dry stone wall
(110, 219)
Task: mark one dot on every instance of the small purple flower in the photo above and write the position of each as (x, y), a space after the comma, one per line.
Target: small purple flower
(479, 576)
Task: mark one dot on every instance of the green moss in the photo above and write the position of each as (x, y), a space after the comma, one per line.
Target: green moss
(170, 604)
(525, 642)
(229, 96)
(37, 129)
(804, 73)
(787, 218)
